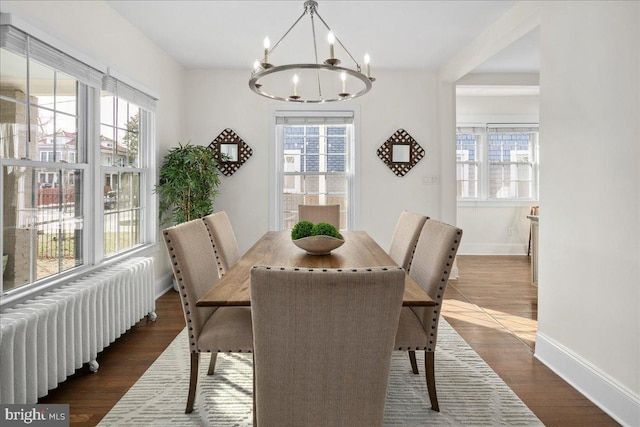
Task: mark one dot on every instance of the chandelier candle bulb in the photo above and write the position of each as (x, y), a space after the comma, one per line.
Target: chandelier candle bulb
(295, 85)
(332, 39)
(267, 45)
(367, 64)
(343, 77)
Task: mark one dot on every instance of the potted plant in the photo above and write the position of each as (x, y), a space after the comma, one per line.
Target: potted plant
(188, 183)
(316, 239)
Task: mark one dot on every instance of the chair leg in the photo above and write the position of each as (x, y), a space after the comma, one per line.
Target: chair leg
(193, 382)
(412, 359)
(212, 363)
(429, 365)
(255, 413)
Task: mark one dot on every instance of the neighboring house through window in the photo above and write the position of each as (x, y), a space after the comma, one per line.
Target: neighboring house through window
(315, 163)
(497, 162)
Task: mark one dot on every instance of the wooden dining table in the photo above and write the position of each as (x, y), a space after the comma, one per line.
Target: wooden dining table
(276, 249)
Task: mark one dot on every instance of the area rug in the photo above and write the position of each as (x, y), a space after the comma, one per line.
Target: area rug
(470, 393)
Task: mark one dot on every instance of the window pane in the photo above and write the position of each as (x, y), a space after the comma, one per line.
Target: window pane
(513, 177)
(466, 147)
(509, 147)
(13, 75)
(13, 130)
(107, 146)
(510, 181)
(131, 143)
(41, 84)
(122, 212)
(107, 102)
(13, 111)
(42, 223)
(467, 180)
(66, 94)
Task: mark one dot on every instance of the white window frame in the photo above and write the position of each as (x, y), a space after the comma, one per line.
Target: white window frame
(88, 130)
(276, 165)
(483, 198)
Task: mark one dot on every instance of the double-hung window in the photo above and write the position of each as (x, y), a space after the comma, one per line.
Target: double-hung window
(315, 163)
(52, 176)
(497, 162)
(123, 160)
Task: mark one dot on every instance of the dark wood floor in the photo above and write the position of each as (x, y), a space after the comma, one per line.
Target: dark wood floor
(492, 305)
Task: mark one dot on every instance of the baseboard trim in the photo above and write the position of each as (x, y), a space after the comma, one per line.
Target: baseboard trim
(163, 284)
(613, 398)
(492, 248)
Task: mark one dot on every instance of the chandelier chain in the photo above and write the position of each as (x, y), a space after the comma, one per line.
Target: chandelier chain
(315, 50)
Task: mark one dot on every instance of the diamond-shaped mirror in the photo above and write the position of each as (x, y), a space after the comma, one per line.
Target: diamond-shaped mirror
(400, 152)
(230, 151)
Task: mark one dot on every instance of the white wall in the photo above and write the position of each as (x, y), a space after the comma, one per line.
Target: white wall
(495, 229)
(589, 276)
(222, 99)
(589, 270)
(96, 33)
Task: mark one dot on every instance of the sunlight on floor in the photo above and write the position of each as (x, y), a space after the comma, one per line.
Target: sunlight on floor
(521, 327)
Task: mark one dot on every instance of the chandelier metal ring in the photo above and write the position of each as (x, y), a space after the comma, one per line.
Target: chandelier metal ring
(257, 88)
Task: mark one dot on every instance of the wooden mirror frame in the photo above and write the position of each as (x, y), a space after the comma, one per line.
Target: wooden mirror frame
(229, 138)
(400, 138)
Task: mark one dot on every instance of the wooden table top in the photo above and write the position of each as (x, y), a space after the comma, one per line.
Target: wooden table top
(276, 249)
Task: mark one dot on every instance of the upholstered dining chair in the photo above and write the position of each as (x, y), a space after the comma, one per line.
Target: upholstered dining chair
(223, 239)
(320, 213)
(418, 327)
(210, 329)
(405, 237)
(321, 358)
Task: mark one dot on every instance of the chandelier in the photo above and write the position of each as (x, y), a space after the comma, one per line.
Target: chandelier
(311, 82)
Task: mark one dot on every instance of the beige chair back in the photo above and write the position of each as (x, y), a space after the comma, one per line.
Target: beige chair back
(432, 262)
(320, 213)
(192, 258)
(405, 237)
(223, 239)
(322, 344)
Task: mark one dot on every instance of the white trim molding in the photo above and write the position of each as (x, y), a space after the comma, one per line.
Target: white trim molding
(612, 397)
(492, 248)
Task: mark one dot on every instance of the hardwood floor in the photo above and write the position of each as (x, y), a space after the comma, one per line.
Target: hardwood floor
(91, 395)
(492, 305)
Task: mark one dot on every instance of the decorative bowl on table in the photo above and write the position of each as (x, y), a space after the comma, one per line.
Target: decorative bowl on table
(319, 245)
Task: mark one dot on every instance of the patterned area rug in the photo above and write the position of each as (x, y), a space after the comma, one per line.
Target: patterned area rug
(470, 393)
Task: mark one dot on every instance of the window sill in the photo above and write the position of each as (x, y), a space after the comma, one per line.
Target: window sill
(496, 203)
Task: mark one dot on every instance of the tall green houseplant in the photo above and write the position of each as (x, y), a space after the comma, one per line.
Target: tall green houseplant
(188, 184)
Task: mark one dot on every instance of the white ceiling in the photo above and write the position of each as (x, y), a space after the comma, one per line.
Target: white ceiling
(422, 35)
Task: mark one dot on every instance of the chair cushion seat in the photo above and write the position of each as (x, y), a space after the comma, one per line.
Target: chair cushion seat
(410, 335)
(229, 329)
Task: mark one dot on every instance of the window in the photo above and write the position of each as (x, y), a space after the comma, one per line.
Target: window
(497, 162)
(122, 179)
(315, 163)
(50, 219)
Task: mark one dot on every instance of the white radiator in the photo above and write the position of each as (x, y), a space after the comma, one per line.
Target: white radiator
(45, 339)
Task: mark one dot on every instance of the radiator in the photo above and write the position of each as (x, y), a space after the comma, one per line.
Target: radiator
(45, 339)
